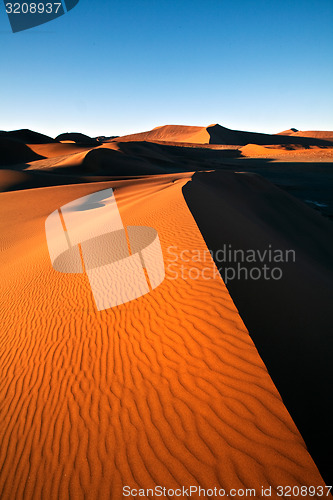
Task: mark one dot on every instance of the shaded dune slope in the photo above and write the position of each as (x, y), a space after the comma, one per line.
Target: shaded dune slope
(168, 389)
(222, 135)
(13, 152)
(290, 320)
(78, 138)
(117, 163)
(27, 136)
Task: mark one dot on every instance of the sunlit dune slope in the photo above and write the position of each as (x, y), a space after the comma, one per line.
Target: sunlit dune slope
(317, 134)
(289, 131)
(176, 133)
(57, 149)
(293, 153)
(253, 150)
(167, 390)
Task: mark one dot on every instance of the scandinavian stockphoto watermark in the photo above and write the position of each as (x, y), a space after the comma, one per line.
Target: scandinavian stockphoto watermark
(122, 263)
(293, 491)
(24, 15)
(231, 263)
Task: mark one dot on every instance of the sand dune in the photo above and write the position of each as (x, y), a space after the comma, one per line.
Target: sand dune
(289, 131)
(25, 146)
(173, 133)
(27, 136)
(54, 150)
(290, 153)
(216, 134)
(77, 138)
(168, 389)
(253, 150)
(102, 158)
(317, 134)
(326, 135)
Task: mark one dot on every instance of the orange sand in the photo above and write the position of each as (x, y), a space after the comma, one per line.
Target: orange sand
(167, 390)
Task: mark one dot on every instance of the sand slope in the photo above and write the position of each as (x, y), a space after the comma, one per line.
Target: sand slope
(317, 134)
(289, 131)
(168, 389)
(172, 133)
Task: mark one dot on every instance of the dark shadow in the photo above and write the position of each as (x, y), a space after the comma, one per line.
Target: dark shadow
(310, 182)
(290, 320)
(15, 179)
(111, 162)
(14, 152)
(27, 136)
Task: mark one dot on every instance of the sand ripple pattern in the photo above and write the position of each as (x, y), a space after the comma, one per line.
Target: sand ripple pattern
(164, 390)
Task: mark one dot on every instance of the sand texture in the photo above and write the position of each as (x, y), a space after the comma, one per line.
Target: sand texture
(168, 389)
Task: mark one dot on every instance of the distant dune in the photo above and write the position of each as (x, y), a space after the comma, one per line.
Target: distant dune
(104, 160)
(326, 135)
(171, 133)
(27, 136)
(317, 134)
(290, 131)
(77, 138)
(289, 152)
(58, 149)
(253, 150)
(216, 134)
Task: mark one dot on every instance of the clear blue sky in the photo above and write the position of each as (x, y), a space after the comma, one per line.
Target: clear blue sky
(114, 67)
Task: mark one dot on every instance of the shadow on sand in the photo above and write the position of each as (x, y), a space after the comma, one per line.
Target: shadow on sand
(289, 320)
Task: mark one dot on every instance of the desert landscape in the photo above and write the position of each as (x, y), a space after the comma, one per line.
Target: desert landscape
(201, 382)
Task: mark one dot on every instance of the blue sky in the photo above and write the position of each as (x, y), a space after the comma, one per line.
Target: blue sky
(115, 67)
